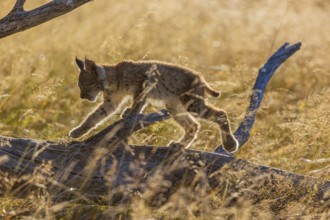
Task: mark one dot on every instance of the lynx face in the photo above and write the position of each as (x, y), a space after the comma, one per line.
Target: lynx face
(89, 84)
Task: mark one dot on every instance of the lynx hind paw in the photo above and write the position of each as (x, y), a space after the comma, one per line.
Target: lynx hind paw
(232, 145)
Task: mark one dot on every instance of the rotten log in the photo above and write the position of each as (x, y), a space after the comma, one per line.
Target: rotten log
(19, 20)
(104, 166)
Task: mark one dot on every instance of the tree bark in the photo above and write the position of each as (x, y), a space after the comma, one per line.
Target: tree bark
(266, 72)
(19, 20)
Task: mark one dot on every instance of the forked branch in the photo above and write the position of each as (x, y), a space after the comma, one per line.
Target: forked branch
(19, 20)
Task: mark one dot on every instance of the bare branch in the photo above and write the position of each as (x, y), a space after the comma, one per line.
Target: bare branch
(266, 72)
(19, 20)
(124, 128)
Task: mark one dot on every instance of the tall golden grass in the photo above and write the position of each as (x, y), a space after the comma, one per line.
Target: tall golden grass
(227, 41)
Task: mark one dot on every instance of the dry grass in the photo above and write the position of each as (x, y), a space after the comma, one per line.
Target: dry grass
(225, 40)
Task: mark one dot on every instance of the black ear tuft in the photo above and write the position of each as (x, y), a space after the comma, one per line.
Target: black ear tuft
(80, 63)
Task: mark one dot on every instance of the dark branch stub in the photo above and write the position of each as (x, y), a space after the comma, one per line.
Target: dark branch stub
(18, 7)
(266, 72)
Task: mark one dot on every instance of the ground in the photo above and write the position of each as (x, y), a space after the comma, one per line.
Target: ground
(226, 41)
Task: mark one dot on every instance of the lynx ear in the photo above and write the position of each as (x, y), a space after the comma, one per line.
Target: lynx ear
(90, 65)
(80, 63)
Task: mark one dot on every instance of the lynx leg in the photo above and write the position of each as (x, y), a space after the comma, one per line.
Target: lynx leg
(108, 106)
(187, 122)
(92, 119)
(218, 116)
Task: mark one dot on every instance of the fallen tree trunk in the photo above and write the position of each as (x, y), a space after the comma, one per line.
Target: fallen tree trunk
(105, 167)
(126, 169)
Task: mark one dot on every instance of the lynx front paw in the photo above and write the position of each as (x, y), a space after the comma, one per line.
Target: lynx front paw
(75, 133)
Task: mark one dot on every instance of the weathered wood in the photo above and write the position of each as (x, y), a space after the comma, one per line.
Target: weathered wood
(104, 166)
(266, 72)
(19, 20)
(114, 174)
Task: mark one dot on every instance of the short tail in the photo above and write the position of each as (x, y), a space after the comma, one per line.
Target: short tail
(211, 91)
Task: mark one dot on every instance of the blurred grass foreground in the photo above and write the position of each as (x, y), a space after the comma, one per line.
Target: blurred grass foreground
(227, 41)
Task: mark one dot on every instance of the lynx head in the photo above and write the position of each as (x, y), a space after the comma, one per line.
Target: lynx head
(90, 79)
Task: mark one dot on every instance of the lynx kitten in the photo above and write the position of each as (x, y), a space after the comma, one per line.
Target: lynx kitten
(180, 90)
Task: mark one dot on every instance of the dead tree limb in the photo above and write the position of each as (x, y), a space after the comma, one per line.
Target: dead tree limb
(266, 72)
(111, 170)
(19, 20)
